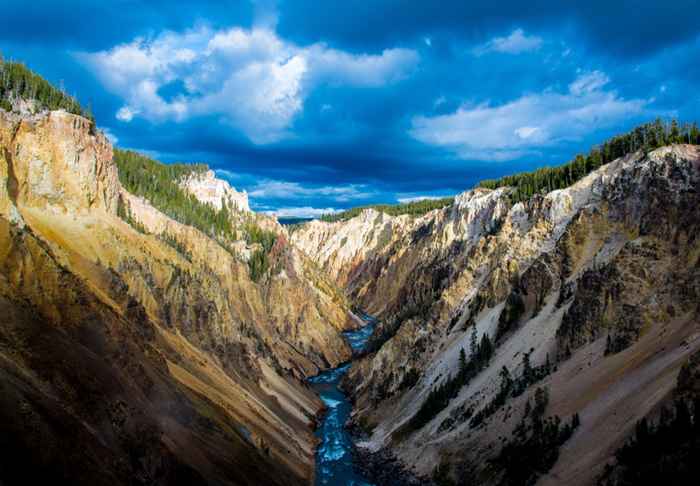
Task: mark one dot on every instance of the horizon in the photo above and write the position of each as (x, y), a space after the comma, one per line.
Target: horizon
(309, 117)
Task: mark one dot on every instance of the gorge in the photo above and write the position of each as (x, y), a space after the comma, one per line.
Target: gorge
(157, 331)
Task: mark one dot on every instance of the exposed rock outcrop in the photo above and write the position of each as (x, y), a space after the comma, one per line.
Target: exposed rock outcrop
(206, 187)
(145, 357)
(596, 284)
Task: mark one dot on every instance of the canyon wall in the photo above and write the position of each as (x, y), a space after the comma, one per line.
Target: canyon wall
(589, 293)
(144, 353)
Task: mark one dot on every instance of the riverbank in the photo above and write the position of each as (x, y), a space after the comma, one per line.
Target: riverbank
(383, 469)
(334, 454)
(338, 461)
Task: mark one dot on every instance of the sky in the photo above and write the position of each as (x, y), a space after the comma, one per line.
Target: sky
(313, 107)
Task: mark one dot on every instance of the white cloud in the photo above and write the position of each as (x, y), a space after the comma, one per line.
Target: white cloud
(520, 127)
(516, 43)
(276, 189)
(588, 83)
(404, 200)
(339, 67)
(302, 212)
(525, 132)
(110, 136)
(254, 79)
(440, 100)
(126, 114)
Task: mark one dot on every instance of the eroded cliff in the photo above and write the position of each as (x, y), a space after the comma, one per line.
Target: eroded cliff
(589, 293)
(147, 355)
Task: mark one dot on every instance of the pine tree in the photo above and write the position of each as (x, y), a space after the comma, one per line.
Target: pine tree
(575, 421)
(527, 368)
(473, 350)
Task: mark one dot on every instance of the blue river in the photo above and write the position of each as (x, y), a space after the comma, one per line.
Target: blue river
(334, 461)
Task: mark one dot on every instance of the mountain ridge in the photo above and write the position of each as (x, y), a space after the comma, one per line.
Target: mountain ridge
(157, 331)
(545, 265)
(187, 315)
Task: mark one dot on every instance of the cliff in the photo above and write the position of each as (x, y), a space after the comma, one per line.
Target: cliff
(589, 293)
(144, 352)
(217, 192)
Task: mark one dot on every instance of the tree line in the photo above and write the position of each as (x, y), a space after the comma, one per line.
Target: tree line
(534, 446)
(665, 450)
(646, 137)
(413, 208)
(259, 262)
(159, 184)
(440, 396)
(513, 387)
(18, 81)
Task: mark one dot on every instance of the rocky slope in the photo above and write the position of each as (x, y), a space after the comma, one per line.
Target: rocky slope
(145, 356)
(217, 192)
(589, 292)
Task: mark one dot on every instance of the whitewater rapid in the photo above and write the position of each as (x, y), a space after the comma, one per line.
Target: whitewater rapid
(334, 458)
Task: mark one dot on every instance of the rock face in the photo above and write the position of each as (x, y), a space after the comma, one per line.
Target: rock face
(599, 282)
(132, 357)
(207, 188)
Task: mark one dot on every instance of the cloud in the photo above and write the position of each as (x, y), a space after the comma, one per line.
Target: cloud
(110, 136)
(275, 189)
(252, 78)
(588, 83)
(302, 212)
(404, 200)
(526, 132)
(440, 100)
(533, 121)
(125, 114)
(338, 67)
(517, 42)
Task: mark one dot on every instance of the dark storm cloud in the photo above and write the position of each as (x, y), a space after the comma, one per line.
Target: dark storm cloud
(318, 105)
(626, 27)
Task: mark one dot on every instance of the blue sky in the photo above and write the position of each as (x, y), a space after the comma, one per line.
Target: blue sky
(317, 106)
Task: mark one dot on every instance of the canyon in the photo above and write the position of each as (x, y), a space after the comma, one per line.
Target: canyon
(144, 352)
(591, 292)
(141, 349)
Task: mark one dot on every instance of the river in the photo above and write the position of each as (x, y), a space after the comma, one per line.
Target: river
(334, 458)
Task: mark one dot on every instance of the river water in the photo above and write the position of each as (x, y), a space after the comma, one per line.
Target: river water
(334, 464)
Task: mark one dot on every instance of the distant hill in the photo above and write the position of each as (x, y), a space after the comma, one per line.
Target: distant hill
(290, 220)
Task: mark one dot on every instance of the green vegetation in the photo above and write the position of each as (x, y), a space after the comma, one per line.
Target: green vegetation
(645, 137)
(255, 234)
(18, 81)
(124, 212)
(512, 311)
(662, 453)
(440, 397)
(414, 208)
(259, 261)
(172, 241)
(513, 387)
(665, 452)
(534, 447)
(441, 475)
(158, 183)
